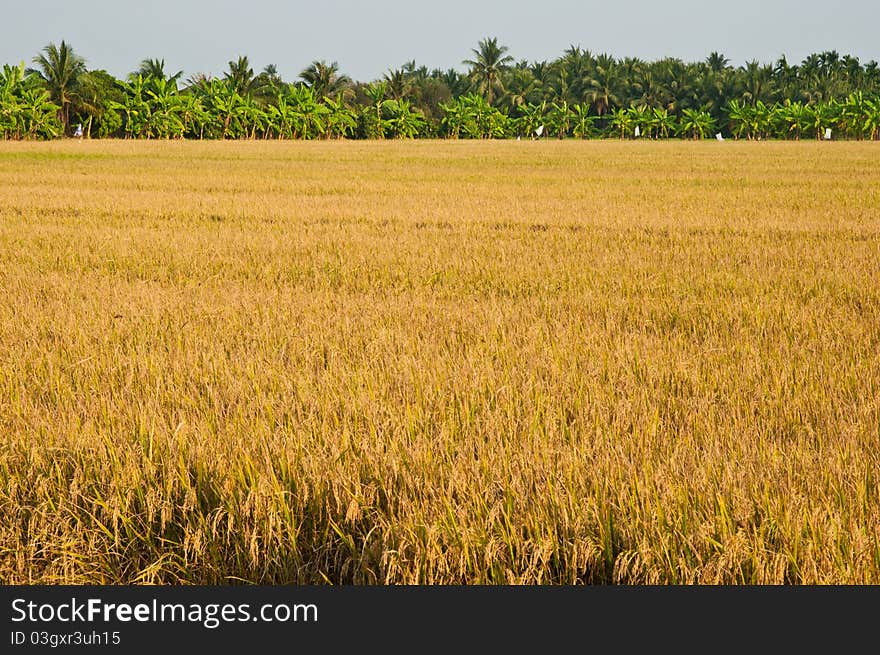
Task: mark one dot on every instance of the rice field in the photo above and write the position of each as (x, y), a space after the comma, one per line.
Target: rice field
(439, 362)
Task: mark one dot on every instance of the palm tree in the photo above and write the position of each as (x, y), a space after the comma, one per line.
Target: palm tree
(717, 62)
(650, 91)
(156, 68)
(456, 82)
(602, 88)
(325, 79)
(520, 86)
(543, 72)
(490, 59)
(88, 99)
(60, 67)
(578, 65)
(758, 82)
(269, 76)
(240, 76)
(871, 77)
(399, 83)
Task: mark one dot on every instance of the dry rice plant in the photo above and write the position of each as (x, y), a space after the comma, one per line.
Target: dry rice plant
(440, 362)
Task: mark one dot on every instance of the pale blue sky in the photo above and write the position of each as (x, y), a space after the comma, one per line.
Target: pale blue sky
(368, 38)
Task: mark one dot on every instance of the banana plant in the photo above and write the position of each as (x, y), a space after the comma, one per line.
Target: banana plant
(10, 79)
(662, 122)
(165, 108)
(483, 121)
(623, 120)
(376, 123)
(40, 115)
(193, 115)
(823, 116)
(583, 121)
(762, 119)
(405, 122)
(796, 117)
(740, 115)
(10, 109)
(697, 123)
(341, 121)
(134, 108)
(533, 117)
(560, 118)
(28, 114)
(280, 118)
(252, 118)
(223, 102)
(309, 117)
(641, 116)
(454, 118)
(871, 124)
(852, 115)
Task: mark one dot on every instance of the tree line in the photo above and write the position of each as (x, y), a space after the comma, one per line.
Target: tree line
(578, 95)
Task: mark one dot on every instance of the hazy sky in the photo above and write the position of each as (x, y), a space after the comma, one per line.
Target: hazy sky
(367, 38)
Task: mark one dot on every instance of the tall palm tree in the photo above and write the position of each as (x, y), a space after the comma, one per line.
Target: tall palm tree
(520, 88)
(602, 88)
(399, 83)
(266, 85)
(871, 125)
(758, 82)
(325, 79)
(578, 65)
(490, 59)
(456, 82)
(678, 82)
(240, 76)
(156, 68)
(543, 72)
(871, 77)
(59, 67)
(717, 62)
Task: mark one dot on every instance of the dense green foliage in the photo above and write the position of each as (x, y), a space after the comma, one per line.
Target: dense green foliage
(578, 95)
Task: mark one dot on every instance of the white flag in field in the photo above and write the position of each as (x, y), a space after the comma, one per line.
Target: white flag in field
(827, 133)
(719, 136)
(638, 132)
(540, 130)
